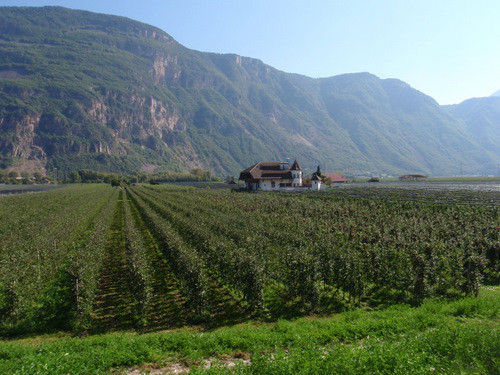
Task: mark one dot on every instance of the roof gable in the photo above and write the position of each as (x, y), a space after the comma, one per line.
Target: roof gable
(295, 166)
(269, 170)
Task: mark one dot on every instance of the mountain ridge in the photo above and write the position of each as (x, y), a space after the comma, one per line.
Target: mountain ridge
(113, 94)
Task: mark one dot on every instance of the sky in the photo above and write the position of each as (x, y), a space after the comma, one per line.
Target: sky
(447, 49)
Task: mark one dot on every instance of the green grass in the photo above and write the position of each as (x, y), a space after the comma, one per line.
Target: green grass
(439, 337)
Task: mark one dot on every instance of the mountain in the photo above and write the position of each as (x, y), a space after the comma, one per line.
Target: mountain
(482, 119)
(496, 93)
(86, 90)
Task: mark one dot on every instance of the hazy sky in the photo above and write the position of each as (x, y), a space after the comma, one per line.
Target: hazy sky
(448, 49)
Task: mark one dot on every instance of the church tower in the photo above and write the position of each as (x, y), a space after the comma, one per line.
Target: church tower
(296, 172)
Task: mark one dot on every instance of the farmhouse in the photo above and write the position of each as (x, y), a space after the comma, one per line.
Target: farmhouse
(272, 175)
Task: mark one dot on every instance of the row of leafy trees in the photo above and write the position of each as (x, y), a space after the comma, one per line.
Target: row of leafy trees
(90, 176)
(51, 250)
(276, 254)
(13, 177)
(313, 250)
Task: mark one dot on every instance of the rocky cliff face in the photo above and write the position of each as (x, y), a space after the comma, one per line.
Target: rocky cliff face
(165, 69)
(23, 143)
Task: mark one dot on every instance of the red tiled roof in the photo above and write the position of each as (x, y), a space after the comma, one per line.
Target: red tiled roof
(335, 177)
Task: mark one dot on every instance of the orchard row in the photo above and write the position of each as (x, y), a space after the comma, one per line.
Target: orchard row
(158, 256)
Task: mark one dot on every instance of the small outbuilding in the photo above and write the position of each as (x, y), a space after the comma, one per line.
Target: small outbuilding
(412, 177)
(335, 177)
(316, 182)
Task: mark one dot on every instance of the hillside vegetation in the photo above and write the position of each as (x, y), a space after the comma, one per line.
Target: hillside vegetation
(81, 90)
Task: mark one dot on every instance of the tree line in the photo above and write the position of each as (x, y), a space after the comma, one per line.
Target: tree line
(90, 176)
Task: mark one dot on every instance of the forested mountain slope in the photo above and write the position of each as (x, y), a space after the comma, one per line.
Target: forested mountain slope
(85, 90)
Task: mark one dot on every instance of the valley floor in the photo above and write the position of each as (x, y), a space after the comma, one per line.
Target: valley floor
(162, 279)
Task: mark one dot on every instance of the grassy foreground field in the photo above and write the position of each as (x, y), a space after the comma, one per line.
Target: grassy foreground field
(96, 279)
(439, 337)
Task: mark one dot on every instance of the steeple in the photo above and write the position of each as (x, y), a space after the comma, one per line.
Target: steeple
(295, 166)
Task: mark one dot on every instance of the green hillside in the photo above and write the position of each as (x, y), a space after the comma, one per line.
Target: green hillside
(482, 119)
(85, 90)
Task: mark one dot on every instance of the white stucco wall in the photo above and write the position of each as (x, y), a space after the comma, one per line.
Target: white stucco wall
(316, 185)
(267, 185)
